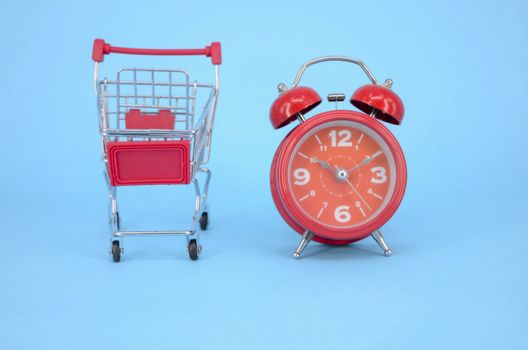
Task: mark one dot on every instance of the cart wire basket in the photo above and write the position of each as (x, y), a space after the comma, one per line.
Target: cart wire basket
(152, 135)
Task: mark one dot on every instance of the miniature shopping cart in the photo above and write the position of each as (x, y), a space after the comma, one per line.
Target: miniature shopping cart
(150, 134)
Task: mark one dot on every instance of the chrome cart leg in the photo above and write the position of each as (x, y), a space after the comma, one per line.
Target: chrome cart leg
(193, 240)
(206, 185)
(197, 203)
(204, 217)
(378, 237)
(116, 249)
(113, 210)
(306, 238)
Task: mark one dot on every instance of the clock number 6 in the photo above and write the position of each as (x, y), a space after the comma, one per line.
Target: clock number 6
(341, 214)
(302, 176)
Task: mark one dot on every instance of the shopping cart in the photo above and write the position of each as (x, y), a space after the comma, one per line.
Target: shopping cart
(150, 135)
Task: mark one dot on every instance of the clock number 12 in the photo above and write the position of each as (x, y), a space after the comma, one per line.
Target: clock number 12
(344, 135)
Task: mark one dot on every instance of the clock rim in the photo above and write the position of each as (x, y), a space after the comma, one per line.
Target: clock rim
(291, 206)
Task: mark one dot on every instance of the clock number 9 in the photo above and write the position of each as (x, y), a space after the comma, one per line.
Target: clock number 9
(341, 214)
(302, 176)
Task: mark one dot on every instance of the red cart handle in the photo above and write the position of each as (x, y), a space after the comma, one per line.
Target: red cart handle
(100, 48)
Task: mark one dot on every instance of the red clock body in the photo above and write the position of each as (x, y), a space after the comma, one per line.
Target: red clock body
(340, 174)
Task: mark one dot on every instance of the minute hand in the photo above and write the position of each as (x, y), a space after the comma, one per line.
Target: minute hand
(354, 189)
(366, 161)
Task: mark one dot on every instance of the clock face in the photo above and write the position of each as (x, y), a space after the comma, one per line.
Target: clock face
(341, 174)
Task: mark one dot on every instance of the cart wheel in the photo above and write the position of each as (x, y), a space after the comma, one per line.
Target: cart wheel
(193, 249)
(116, 251)
(204, 220)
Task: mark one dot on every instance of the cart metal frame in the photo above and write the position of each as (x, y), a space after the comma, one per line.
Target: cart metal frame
(153, 90)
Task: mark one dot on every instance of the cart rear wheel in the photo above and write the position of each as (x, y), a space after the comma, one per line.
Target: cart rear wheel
(193, 249)
(204, 220)
(116, 251)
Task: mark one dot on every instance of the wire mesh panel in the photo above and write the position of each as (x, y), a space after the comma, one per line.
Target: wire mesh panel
(154, 105)
(150, 90)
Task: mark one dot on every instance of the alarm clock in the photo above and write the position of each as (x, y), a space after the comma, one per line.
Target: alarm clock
(339, 175)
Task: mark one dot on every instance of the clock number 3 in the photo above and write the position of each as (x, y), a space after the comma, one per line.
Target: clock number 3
(345, 136)
(380, 175)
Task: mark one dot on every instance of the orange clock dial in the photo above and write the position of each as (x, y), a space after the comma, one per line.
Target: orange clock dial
(341, 174)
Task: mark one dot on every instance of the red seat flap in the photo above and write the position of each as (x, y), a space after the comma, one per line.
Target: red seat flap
(135, 119)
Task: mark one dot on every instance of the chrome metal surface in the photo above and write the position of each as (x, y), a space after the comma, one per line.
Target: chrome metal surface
(150, 133)
(300, 117)
(336, 97)
(282, 88)
(152, 233)
(378, 237)
(342, 175)
(333, 58)
(306, 238)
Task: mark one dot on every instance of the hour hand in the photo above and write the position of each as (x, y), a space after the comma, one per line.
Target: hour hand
(324, 164)
(327, 165)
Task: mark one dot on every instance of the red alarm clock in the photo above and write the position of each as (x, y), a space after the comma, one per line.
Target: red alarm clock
(340, 175)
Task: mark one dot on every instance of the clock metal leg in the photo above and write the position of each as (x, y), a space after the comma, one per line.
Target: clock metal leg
(306, 238)
(378, 237)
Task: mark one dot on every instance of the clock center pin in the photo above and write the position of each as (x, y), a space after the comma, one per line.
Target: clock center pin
(342, 174)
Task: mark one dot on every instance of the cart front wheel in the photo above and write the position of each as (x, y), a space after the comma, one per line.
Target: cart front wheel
(193, 249)
(116, 251)
(204, 220)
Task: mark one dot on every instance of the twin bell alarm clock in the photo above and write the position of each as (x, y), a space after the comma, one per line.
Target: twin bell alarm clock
(339, 175)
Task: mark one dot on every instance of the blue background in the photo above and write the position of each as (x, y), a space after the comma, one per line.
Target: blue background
(457, 278)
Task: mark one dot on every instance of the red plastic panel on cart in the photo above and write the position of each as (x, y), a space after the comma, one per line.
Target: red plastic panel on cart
(135, 119)
(149, 162)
